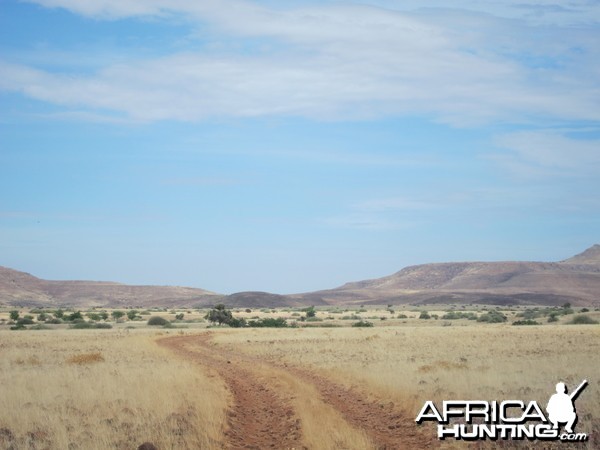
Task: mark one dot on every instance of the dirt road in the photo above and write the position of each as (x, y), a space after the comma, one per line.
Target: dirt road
(273, 404)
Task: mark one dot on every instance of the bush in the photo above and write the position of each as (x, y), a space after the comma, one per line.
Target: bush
(237, 323)
(526, 322)
(424, 315)
(455, 315)
(270, 322)
(219, 314)
(492, 317)
(363, 323)
(582, 319)
(25, 321)
(89, 325)
(552, 318)
(310, 312)
(158, 321)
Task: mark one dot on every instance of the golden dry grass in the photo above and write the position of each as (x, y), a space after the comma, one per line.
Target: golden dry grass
(114, 389)
(410, 365)
(88, 389)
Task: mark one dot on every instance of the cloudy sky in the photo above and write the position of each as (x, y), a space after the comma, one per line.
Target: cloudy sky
(293, 146)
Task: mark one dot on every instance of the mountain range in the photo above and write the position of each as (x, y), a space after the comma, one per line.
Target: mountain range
(575, 280)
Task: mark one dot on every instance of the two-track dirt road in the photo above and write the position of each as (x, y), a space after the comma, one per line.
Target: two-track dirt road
(274, 405)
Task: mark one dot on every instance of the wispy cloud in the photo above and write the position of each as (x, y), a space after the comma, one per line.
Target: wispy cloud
(331, 62)
(545, 153)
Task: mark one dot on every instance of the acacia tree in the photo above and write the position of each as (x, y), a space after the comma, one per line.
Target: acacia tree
(219, 314)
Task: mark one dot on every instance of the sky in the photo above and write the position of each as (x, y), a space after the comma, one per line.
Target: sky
(294, 146)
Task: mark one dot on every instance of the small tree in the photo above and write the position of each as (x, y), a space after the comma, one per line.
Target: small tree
(75, 316)
(157, 320)
(219, 314)
(131, 314)
(94, 316)
(14, 315)
(117, 315)
(310, 311)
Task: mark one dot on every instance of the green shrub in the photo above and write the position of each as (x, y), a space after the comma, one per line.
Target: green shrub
(363, 323)
(278, 322)
(81, 325)
(158, 321)
(492, 317)
(582, 319)
(74, 316)
(424, 315)
(89, 325)
(25, 321)
(237, 323)
(42, 317)
(526, 322)
(455, 315)
(310, 312)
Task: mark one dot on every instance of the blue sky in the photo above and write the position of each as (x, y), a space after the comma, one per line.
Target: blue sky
(294, 146)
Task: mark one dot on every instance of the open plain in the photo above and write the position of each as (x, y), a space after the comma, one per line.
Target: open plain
(310, 386)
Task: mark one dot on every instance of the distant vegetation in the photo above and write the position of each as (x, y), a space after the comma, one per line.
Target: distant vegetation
(492, 317)
(582, 320)
(311, 316)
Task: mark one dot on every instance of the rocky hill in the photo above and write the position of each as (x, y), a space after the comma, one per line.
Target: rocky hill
(22, 289)
(575, 280)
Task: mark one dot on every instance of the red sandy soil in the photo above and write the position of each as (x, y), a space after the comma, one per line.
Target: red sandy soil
(262, 416)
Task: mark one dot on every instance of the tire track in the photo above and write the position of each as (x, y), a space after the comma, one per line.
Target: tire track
(263, 418)
(259, 418)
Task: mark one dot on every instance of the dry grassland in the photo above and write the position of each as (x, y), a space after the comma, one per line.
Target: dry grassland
(103, 389)
(411, 365)
(114, 389)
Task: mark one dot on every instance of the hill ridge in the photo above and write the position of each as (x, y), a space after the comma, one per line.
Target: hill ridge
(575, 280)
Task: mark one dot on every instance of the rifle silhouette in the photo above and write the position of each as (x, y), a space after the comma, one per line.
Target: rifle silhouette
(580, 388)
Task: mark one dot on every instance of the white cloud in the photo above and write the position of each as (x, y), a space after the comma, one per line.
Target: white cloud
(548, 153)
(332, 62)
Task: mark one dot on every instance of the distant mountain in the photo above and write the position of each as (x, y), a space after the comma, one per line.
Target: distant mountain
(22, 289)
(575, 280)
